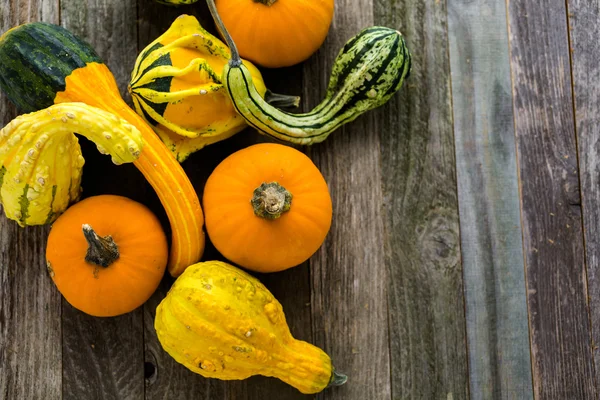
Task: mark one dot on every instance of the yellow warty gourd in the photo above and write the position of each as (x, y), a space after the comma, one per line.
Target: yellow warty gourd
(41, 161)
(176, 86)
(222, 323)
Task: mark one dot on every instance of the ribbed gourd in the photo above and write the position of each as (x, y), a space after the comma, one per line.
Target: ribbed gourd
(222, 323)
(367, 72)
(41, 161)
(176, 86)
(42, 64)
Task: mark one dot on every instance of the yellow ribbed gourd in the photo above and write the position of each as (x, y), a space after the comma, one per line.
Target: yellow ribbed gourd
(176, 86)
(222, 323)
(41, 161)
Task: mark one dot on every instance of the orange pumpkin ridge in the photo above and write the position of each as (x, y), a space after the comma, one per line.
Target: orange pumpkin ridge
(107, 255)
(267, 207)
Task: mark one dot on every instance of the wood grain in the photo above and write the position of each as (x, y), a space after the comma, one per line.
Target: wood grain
(488, 191)
(427, 316)
(551, 202)
(103, 357)
(348, 273)
(30, 305)
(583, 20)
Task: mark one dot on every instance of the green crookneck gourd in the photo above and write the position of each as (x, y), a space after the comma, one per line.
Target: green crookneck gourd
(41, 161)
(369, 69)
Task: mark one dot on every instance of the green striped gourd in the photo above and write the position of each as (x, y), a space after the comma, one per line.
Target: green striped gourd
(369, 69)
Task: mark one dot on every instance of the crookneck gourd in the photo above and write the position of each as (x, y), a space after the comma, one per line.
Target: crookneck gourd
(267, 207)
(222, 323)
(369, 69)
(42, 64)
(106, 255)
(176, 86)
(41, 161)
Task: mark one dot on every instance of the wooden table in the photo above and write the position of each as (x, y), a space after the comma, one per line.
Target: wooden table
(464, 253)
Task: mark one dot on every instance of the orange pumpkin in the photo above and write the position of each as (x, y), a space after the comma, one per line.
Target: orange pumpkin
(276, 33)
(267, 207)
(107, 255)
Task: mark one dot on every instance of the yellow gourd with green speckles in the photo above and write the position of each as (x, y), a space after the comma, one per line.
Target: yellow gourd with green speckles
(222, 323)
(41, 161)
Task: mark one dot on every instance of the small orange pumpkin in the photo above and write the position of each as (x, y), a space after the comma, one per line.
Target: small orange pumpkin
(107, 255)
(267, 207)
(277, 33)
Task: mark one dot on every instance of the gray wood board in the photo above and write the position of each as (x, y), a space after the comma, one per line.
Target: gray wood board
(30, 305)
(551, 203)
(427, 315)
(348, 273)
(583, 22)
(488, 192)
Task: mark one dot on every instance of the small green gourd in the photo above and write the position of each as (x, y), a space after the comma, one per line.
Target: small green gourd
(369, 69)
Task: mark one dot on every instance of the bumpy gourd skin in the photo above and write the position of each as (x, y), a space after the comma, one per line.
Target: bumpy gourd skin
(176, 86)
(41, 161)
(222, 323)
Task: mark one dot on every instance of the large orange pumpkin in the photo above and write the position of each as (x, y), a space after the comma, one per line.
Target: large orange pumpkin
(107, 255)
(276, 33)
(267, 207)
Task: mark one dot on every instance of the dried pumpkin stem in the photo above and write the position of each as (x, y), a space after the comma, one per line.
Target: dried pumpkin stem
(266, 2)
(271, 200)
(102, 251)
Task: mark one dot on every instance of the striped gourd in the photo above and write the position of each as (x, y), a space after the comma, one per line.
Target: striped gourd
(369, 69)
(176, 86)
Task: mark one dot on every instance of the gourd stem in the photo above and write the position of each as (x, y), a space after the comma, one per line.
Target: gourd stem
(271, 200)
(235, 59)
(102, 251)
(281, 100)
(337, 379)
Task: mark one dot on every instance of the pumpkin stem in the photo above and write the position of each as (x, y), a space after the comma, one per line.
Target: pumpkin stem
(102, 251)
(337, 379)
(271, 200)
(266, 2)
(235, 59)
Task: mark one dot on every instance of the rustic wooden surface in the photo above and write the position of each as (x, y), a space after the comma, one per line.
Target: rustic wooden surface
(488, 192)
(463, 257)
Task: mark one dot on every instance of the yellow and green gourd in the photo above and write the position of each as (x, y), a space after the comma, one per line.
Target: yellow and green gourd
(367, 72)
(41, 161)
(222, 323)
(176, 86)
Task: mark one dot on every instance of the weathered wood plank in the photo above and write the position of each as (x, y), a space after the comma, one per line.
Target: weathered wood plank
(427, 316)
(584, 17)
(30, 305)
(551, 202)
(348, 273)
(488, 191)
(170, 380)
(103, 357)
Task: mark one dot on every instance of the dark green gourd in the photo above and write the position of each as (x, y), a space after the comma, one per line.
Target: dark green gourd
(369, 69)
